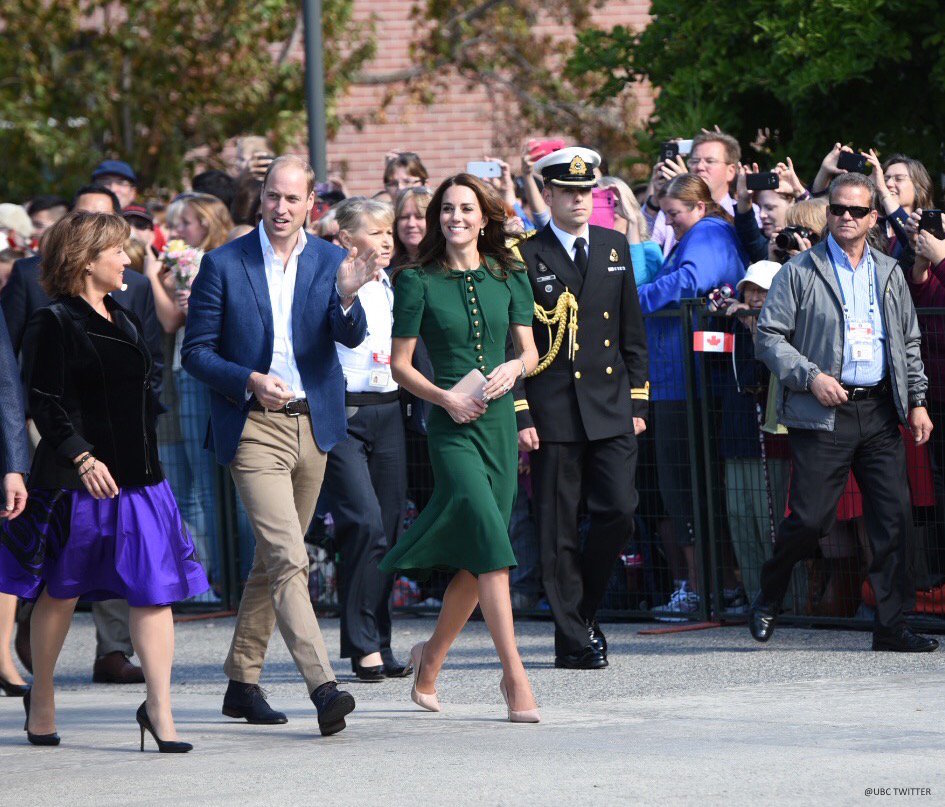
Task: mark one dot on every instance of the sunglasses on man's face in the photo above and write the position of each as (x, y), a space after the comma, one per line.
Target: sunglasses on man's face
(855, 211)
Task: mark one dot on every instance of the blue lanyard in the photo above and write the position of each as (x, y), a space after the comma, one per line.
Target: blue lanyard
(870, 269)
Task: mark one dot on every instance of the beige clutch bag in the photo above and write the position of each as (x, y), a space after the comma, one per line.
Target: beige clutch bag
(473, 383)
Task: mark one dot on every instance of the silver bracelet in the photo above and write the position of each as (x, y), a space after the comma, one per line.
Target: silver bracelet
(342, 296)
(523, 367)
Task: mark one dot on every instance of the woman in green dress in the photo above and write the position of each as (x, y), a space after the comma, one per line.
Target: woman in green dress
(464, 296)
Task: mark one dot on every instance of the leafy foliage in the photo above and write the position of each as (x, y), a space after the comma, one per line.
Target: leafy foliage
(151, 80)
(864, 72)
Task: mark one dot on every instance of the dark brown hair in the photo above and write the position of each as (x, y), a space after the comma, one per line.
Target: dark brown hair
(493, 242)
(71, 244)
(689, 189)
(409, 161)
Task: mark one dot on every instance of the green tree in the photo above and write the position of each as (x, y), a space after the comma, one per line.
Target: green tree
(864, 72)
(151, 80)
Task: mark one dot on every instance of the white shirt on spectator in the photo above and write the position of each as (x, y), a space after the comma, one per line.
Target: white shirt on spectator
(281, 280)
(567, 240)
(372, 357)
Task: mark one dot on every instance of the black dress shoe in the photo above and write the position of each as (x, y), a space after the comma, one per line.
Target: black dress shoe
(332, 705)
(761, 618)
(588, 658)
(596, 635)
(36, 739)
(248, 701)
(902, 640)
(368, 674)
(394, 669)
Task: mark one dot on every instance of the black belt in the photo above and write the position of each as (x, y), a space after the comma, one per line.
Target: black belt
(371, 398)
(293, 408)
(864, 393)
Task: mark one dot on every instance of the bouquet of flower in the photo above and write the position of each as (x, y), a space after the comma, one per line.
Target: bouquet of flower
(183, 261)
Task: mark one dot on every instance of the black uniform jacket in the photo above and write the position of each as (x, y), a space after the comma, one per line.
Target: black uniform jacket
(598, 394)
(91, 388)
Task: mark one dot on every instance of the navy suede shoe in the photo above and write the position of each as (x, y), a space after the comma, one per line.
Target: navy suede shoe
(249, 702)
(332, 705)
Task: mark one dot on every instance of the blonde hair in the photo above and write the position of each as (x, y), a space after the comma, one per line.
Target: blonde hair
(627, 199)
(71, 244)
(811, 213)
(210, 212)
(135, 250)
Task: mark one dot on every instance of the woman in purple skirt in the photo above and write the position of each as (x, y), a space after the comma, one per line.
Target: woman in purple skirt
(101, 521)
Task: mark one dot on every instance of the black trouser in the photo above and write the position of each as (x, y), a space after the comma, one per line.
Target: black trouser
(574, 579)
(364, 488)
(865, 438)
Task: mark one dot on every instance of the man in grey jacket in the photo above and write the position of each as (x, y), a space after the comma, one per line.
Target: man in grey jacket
(839, 329)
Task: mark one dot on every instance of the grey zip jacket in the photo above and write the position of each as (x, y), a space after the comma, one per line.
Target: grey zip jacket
(801, 328)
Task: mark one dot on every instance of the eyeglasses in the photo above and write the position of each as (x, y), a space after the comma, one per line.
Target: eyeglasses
(856, 211)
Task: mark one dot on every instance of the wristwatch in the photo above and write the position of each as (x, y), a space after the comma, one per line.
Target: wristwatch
(811, 375)
(915, 403)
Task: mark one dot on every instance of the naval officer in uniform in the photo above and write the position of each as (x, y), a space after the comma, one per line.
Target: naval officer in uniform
(580, 411)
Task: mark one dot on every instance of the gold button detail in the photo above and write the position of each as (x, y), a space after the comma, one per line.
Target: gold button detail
(606, 315)
(475, 311)
(577, 374)
(478, 334)
(476, 322)
(482, 367)
(472, 299)
(471, 288)
(478, 347)
(478, 358)
(610, 370)
(606, 343)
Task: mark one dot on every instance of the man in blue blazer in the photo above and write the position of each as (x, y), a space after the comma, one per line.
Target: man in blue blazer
(265, 311)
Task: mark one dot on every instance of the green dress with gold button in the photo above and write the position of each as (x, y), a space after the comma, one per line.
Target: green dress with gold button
(463, 319)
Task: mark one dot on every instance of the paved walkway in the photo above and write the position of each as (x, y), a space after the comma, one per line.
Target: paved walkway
(704, 717)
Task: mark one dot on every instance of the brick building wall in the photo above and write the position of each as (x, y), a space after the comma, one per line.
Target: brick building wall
(460, 125)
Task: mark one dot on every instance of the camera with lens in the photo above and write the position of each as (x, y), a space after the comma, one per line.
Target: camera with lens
(790, 237)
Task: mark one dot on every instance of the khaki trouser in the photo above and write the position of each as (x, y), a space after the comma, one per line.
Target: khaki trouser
(278, 472)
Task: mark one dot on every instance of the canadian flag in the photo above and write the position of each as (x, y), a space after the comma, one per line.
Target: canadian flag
(713, 342)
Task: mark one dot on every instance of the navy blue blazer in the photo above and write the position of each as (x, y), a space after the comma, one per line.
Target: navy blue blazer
(229, 335)
(14, 449)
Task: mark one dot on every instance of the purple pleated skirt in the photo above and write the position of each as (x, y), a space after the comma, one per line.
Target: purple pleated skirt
(134, 547)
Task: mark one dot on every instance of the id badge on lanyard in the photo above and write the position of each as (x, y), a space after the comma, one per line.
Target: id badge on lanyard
(380, 369)
(860, 332)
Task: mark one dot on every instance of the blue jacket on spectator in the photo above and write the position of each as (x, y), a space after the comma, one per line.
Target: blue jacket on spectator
(752, 239)
(706, 257)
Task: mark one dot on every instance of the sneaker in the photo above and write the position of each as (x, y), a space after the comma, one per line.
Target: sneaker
(681, 606)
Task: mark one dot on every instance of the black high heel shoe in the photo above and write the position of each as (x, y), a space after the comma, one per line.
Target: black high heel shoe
(164, 746)
(13, 690)
(36, 739)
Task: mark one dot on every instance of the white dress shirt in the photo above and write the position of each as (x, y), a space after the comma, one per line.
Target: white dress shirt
(281, 280)
(567, 240)
(367, 366)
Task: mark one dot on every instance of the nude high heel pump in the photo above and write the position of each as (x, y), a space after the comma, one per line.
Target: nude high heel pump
(429, 702)
(525, 716)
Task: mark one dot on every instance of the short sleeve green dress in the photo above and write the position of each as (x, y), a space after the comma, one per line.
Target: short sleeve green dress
(463, 319)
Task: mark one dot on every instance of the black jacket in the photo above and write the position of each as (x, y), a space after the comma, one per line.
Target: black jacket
(23, 296)
(598, 394)
(91, 388)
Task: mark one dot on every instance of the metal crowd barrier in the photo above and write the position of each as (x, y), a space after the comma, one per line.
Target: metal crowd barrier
(712, 476)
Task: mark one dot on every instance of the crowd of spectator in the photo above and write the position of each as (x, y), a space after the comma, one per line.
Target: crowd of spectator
(705, 221)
